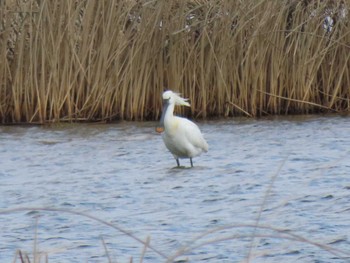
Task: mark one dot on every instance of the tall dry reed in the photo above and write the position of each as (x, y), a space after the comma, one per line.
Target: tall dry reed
(111, 59)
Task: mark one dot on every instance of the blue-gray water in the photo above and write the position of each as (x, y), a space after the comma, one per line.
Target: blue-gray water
(292, 173)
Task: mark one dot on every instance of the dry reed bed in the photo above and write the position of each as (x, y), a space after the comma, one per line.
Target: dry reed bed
(105, 59)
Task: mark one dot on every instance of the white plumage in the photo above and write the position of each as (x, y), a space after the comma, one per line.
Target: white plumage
(181, 136)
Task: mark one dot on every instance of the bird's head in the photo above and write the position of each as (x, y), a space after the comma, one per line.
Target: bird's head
(170, 98)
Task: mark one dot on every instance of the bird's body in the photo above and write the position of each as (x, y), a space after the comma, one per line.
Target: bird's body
(181, 136)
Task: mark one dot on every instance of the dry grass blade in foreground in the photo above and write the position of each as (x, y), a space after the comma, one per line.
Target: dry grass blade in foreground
(104, 60)
(213, 236)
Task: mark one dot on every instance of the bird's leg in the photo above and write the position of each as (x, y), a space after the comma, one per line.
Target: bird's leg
(191, 162)
(178, 162)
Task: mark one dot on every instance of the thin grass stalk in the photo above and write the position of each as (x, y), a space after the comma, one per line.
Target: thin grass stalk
(144, 250)
(91, 217)
(262, 207)
(269, 232)
(106, 250)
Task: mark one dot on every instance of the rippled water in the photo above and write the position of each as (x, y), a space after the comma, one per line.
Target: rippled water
(293, 174)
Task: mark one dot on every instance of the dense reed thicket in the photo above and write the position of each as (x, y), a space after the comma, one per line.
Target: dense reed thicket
(111, 59)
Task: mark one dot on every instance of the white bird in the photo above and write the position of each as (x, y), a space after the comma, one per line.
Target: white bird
(181, 136)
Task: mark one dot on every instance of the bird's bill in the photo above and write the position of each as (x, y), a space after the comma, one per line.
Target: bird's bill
(160, 127)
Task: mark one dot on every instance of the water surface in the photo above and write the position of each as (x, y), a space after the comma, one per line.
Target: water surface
(290, 174)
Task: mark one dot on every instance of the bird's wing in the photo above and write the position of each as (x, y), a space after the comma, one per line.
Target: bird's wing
(194, 135)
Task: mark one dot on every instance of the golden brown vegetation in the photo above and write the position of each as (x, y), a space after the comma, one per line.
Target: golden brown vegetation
(105, 59)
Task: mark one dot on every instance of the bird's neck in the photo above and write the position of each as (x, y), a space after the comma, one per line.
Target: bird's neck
(169, 115)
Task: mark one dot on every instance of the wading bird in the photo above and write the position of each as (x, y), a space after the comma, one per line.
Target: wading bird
(181, 136)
